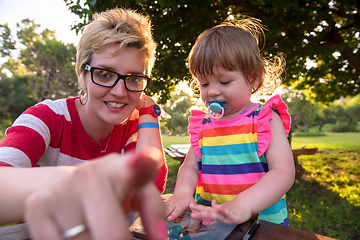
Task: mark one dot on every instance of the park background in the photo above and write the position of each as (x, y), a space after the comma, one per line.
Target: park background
(320, 40)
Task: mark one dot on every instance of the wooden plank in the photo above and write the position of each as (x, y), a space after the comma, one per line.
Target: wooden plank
(175, 154)
(304, 151)
(18, 232)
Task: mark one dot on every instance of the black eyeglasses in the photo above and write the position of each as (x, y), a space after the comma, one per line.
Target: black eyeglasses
(107, 78)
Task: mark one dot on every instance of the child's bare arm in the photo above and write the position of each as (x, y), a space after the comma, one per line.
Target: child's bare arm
(186, 182)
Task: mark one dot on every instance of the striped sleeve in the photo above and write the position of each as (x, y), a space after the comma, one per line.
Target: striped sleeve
(30, 135)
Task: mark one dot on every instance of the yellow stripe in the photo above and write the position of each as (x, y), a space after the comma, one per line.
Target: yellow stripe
(228, 140)
(219, 198)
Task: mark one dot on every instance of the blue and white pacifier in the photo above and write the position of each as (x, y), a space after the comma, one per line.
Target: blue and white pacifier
(216, 107)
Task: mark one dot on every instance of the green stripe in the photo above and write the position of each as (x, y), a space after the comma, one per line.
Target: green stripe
(275, 218)
(232, 159)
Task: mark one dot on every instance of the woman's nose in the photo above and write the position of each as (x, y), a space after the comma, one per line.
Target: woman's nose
(119, 89)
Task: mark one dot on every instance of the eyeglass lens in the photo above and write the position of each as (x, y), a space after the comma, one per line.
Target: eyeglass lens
(108, 79)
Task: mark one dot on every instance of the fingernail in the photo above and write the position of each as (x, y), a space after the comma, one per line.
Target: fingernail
(206, 222)
(162, 229)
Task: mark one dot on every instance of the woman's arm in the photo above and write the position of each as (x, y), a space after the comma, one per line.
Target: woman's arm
(151, 137)
(54, 199)
(16, 184)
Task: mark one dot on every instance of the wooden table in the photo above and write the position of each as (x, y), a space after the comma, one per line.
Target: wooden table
(267, 231)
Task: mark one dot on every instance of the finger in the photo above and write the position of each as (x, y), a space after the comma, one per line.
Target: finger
(40, 224)
(199, 207)
(152, 212)
(175, 214)
(104, 213)
(105, 217)
(42, 228)
(139, 169)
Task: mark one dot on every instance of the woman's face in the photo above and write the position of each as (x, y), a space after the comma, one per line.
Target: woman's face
(113, 105)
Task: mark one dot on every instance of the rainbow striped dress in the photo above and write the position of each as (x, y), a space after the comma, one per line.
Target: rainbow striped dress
(231, 155)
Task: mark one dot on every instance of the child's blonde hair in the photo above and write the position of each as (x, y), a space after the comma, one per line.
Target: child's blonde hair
(235, 47)
(120, 26)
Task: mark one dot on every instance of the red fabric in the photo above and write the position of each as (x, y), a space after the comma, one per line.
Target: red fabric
(160, 180)
(2, 164)
(51, 134)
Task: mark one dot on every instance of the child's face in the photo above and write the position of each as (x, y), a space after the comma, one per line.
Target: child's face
(230, 86)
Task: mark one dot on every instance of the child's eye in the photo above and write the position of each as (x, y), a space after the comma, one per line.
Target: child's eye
(204, 84)
(225, 82)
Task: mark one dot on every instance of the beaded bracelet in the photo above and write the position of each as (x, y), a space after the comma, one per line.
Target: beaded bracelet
(148, 125)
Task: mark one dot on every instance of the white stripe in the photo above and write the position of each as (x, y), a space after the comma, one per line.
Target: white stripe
(58, 107)
(53, 157)
(36, 124)
(14, 157)
(132, 138)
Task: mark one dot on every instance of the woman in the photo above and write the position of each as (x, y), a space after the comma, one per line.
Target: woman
(115, 56)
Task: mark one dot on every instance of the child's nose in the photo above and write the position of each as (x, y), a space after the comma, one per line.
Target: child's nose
(213, 90)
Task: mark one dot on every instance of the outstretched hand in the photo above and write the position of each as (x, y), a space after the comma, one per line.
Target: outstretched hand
(97, 194)
(223, 213)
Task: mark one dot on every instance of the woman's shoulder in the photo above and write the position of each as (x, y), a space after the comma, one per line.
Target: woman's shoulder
(50, 111)
(59, 106)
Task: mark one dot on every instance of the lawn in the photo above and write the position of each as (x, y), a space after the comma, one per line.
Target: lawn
(326, 199)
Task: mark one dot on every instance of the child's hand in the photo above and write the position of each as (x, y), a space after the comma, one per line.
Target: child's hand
(176, 205)
(228, 213)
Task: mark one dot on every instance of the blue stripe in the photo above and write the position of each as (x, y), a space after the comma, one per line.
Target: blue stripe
(255, 112)
(229, 149)
(206, 120)
(235, 168)
(281, 204)
(199, 164)
(285, 222)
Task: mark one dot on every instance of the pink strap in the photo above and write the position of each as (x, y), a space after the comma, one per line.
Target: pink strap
(274, 104)
(195, 121)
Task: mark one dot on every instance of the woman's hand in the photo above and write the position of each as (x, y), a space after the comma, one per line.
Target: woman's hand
(97, 194)
(145, 101)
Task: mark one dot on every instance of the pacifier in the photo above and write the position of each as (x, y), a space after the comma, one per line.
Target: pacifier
(216, 107)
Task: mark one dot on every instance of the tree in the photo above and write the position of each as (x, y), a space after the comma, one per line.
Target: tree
(178, 111)
(49, 62)
(299, 106)
(347, 113)
(7, 43)
(15, 97)
(324, 115)
(322, 32)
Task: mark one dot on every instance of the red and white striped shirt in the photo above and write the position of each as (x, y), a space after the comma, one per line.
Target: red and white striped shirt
(51, 134)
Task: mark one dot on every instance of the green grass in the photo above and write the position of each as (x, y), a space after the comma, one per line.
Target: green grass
(326, 199)
(336, 141)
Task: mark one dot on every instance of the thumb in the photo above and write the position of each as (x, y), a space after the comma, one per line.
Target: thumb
(136, 170)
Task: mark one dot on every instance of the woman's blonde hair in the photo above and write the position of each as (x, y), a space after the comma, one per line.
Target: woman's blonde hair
(235, 47)
(120, 26)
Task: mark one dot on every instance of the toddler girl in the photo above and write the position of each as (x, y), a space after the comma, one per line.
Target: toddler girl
(240, 160)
